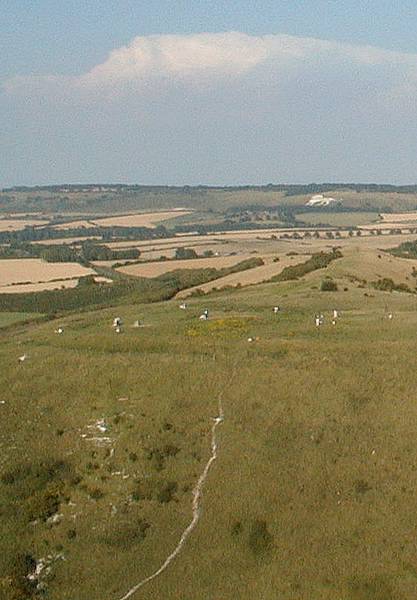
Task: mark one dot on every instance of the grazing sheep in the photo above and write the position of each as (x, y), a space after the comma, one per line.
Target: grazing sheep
(276, 309)
(317, 320)
(183, 306)
(22, 358)
(59, 330)
(203, 317)
(117, 322)
(335, 314)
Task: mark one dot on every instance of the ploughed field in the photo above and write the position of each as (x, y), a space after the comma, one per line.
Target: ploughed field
(312, 494)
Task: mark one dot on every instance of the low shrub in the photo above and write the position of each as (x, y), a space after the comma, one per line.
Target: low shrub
(328, 285)
(260, 539)
(386, 284)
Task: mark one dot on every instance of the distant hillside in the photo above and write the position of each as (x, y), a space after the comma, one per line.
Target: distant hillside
(117, 198)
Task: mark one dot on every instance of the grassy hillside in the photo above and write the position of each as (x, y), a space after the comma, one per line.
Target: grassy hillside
(312, 493)
(10, 318)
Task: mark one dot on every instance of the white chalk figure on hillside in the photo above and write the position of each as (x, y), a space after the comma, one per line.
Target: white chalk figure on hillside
(335, 314)
(183, 306)
(22, 358)
(276, 310)
(117, 321)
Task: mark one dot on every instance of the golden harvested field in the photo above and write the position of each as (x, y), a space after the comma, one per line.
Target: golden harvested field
(181, 240)
(159, 268)
(250, 276)
(134, 220)
(25, 288)
(75, 224)
(35, 270)
(60, 284)
(110, 263)
(141, 219)
(18, 224)
(21, 215)
(60, 241)
(399, 217)
(387, 225)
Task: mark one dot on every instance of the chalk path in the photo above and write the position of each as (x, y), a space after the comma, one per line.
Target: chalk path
(196, 502)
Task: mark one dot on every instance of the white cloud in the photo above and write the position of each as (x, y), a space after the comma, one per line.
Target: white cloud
(215, 55)
(208, 57)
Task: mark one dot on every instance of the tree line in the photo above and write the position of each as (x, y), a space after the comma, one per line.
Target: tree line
(86, 252)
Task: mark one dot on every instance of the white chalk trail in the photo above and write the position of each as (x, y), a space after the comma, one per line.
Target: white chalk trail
(196, 504)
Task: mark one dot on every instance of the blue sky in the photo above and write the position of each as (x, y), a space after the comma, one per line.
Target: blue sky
(246, 109)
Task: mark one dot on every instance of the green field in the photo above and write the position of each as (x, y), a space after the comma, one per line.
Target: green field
(104, 437)
(337, 219)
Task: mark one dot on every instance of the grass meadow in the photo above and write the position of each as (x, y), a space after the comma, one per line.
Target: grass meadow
(10, 318)
(338, 219)
(312, 495)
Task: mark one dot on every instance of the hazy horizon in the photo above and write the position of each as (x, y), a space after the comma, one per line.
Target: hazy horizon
(208, 185)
